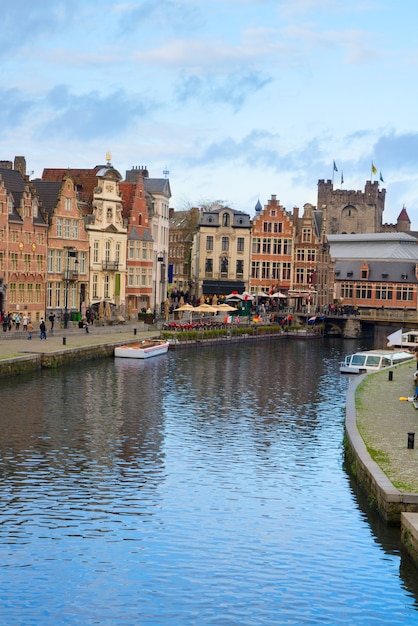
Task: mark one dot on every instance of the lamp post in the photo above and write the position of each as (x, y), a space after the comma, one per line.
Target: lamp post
(70, 253)
(159, 258)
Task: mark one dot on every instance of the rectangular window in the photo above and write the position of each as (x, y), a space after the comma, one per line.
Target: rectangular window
(240, 268)
(266, 246)
(278, 227)
(144, 251)
(38, 293)
(275, 270)
(306, 235)
(75, 229)
(117, 259)
(58, 261)
(286, 267)
(300, 276)
(83, 262)
(12, 292)
(68, 204)
(363, 292)
(209, 242)
(48, 295)
(311, 254)
(50, 268)
(58, 295)
(39, 263)
(106, 286)
(265, 269)
(300, 254)
(208, 267)
(255, 269)
(384, 292)
(94, 286)
(404, 293)
(26, 262)
(59, 226)
(14, 261)
(256, 245)
(346, 290)
(95, 252)
(67, 226)
(240, 244)
(266, 227)
(131, 250)
(131, 277)
(30, 293)
(143, 277)
(21, 293)
(225, 244)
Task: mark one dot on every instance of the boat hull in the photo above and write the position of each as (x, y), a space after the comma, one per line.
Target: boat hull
(143, 350)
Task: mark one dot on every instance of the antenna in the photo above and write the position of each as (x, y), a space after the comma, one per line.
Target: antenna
(166, 172)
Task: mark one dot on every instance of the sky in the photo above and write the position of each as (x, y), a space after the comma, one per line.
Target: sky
(238, 100)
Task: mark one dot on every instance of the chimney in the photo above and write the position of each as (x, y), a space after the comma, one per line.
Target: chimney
(20, 165)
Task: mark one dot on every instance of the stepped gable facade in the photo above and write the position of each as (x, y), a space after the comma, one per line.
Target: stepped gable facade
(23, 243)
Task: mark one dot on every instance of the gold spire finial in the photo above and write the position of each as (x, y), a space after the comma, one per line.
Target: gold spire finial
(108, 156)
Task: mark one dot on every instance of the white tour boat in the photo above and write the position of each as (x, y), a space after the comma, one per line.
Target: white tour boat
(372, 360)
(403, 339)
(143, 350)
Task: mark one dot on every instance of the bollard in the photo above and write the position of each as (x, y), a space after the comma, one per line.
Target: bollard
(411, 437)
(134, 331)
(64, 341)
(391, 375)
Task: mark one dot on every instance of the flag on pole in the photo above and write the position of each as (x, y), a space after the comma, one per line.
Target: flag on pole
(342, 177)
(381, 178)
(374, 170)
(335, 168)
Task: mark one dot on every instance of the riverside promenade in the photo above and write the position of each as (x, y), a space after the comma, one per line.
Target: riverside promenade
(380, 431)
(19, 354)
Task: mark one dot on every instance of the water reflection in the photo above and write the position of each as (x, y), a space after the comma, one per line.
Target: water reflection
(202, 486)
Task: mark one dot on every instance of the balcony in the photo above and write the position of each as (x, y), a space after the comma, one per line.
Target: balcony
(110, 265)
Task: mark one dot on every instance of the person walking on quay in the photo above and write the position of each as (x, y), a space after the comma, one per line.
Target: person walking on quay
(52, 320)
(25, 321)
(5, 322)
(29, 328)
(42, 327)
(17, 321)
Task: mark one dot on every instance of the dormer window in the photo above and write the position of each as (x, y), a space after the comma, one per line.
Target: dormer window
(225, 219)
(404, 276)
(364, 272)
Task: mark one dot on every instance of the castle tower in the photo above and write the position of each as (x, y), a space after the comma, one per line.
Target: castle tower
(350, 211)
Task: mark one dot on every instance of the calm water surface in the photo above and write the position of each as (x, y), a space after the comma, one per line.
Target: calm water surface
(200, 487)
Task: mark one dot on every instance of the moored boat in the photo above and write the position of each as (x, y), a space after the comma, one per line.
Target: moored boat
(372, 360)
(143, 350)
(404, 339)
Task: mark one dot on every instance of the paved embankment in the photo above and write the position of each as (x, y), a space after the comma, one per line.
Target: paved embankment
(18, 354)
(379, 425)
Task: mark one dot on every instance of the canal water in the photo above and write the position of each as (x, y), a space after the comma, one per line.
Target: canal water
(205, 486)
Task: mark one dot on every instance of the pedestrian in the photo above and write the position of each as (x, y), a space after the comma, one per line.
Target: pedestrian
(29, 328)
(25, 321)
(5, 323)
(17, 321)
(42, 327)
(52, 320)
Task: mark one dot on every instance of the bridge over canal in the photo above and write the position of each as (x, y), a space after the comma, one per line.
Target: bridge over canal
(363, 322)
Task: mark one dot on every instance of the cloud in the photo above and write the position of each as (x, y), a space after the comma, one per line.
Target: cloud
(25, 21)
(92, 115)
(397, 151)
(14, 106)
(165, 14)
(234, 89)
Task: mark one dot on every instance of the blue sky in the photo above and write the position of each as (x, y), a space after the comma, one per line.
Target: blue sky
(238, 99)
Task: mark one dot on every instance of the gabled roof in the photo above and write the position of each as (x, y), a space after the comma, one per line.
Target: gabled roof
(48, 193)
(157, 186)
(378, 271)
(374, 246)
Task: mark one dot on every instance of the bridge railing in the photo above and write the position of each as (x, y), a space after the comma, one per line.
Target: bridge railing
(401, 316)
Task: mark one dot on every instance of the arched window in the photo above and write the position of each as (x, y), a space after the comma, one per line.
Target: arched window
(225, 219)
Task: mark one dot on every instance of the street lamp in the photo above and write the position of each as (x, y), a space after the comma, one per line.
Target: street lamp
(70, 253)
(159, 258)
